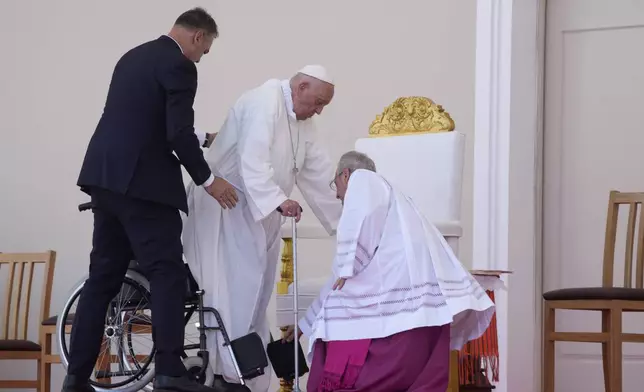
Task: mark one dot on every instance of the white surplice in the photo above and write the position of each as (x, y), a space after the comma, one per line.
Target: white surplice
(400, 273)
(233, 253)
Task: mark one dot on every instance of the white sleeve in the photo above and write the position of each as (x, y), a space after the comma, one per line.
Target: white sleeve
(360, 227)
(307, 322)
(257, 126)
(314, 180)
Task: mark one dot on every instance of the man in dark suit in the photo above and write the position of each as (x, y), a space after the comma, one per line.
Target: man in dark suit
(137, 191)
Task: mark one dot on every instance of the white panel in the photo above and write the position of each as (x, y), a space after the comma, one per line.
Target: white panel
(427, 167)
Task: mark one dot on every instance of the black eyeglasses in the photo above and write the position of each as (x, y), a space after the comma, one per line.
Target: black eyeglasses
(332, 183)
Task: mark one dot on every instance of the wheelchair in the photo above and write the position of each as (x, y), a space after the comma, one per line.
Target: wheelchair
(126, 359)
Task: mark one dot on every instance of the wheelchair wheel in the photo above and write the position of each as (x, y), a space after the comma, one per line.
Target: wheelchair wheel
(125, 362)
(189, 356)
(193, 366)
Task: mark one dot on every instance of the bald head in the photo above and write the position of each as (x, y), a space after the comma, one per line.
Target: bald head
(310, 95)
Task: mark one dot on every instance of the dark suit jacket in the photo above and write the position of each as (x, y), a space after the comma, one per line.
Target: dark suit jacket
(148, 115)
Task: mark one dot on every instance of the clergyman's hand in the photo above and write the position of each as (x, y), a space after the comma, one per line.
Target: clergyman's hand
(223, 192)
(291, 208)
(290, 334)
(339, 284)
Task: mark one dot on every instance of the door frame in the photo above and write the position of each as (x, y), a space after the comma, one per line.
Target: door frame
(508, 176)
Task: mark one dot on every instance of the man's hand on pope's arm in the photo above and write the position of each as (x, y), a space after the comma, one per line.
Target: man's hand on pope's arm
(291, 208)
(210, 138)
(205, 139)
(223, 192)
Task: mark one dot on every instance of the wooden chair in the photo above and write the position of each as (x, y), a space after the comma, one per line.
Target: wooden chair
(47, 356)
(14, 343)
(610, 300)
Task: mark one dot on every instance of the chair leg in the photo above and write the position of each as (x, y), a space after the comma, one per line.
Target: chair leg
(453, 385)
(45, 365)
(549, 349)
(45, 377)
(615, 350)
(38, 375)
(606, 323)
(40, 360)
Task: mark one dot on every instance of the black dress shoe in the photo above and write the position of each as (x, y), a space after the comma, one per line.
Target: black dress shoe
(73, 384)
(179, 384)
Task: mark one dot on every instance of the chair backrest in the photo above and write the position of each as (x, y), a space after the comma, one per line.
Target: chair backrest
(14, 323)
(413, 145)
(633, 244)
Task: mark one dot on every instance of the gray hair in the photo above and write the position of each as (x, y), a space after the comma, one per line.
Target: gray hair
(354, 160)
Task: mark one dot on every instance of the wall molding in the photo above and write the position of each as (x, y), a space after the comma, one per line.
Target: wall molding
(492, 129)
(492, 151)
(507, 162)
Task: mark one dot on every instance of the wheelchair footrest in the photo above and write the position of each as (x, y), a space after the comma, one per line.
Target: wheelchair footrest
(250, 354)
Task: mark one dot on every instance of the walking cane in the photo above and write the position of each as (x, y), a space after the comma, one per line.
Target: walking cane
(296, 384)
(296, 342)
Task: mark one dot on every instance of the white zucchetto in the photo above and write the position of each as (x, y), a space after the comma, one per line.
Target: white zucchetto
(318, 72)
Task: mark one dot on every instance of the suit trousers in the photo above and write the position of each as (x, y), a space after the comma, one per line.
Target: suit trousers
(127, 229)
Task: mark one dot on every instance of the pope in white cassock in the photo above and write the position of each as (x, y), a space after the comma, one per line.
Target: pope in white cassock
(267, 145)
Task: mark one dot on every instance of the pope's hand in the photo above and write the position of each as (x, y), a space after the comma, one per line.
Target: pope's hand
(291, 208)
(290, 334)
(223, 192)
(339, 284)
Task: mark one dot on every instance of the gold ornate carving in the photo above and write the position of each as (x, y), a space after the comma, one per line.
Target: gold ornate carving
(411, 115)
(286, 270)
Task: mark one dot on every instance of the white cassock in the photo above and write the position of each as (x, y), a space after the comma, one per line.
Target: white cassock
(401, 273)
(233, 253)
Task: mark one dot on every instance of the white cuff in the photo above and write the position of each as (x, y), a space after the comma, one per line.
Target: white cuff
(344, 272)
(209, 181)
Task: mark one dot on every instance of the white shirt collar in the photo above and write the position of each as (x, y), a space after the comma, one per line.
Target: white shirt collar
(288, 97)
(175, 41)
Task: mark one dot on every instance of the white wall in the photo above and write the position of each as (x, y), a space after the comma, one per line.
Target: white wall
(57, 59)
